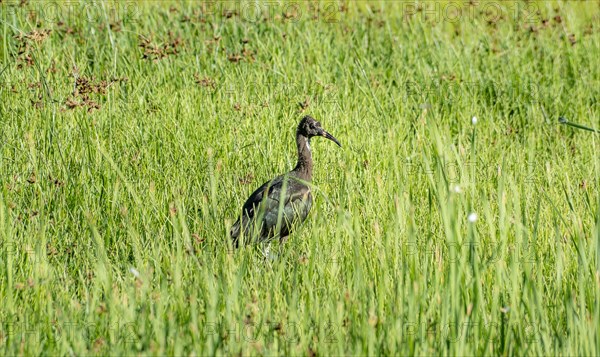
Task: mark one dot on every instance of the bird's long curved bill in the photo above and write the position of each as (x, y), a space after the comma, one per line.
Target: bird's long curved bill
(331, 137)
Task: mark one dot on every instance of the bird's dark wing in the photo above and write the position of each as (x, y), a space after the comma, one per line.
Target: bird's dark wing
(252, 205)
(296, 209)
(263, 206)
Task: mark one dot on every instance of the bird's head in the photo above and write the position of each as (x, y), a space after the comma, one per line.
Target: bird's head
(310, 127)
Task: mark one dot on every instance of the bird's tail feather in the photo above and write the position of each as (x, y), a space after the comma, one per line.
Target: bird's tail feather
(235, 233)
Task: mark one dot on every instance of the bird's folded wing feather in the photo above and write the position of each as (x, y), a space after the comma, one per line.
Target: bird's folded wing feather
(273, 190)
(268, 196)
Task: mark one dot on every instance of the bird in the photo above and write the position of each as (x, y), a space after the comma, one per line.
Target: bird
(273, 209)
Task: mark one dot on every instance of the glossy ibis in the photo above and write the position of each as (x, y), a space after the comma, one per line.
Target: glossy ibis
(275, 207)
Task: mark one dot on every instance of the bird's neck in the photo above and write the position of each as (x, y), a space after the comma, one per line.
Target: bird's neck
(304, 166)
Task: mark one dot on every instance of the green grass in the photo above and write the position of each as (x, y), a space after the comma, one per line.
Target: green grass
(116, 198)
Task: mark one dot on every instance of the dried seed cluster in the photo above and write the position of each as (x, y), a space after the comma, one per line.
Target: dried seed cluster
(25, 44)
(155, 52)
(85, 87)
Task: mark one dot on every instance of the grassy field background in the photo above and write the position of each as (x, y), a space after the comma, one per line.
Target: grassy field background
(131, 134)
